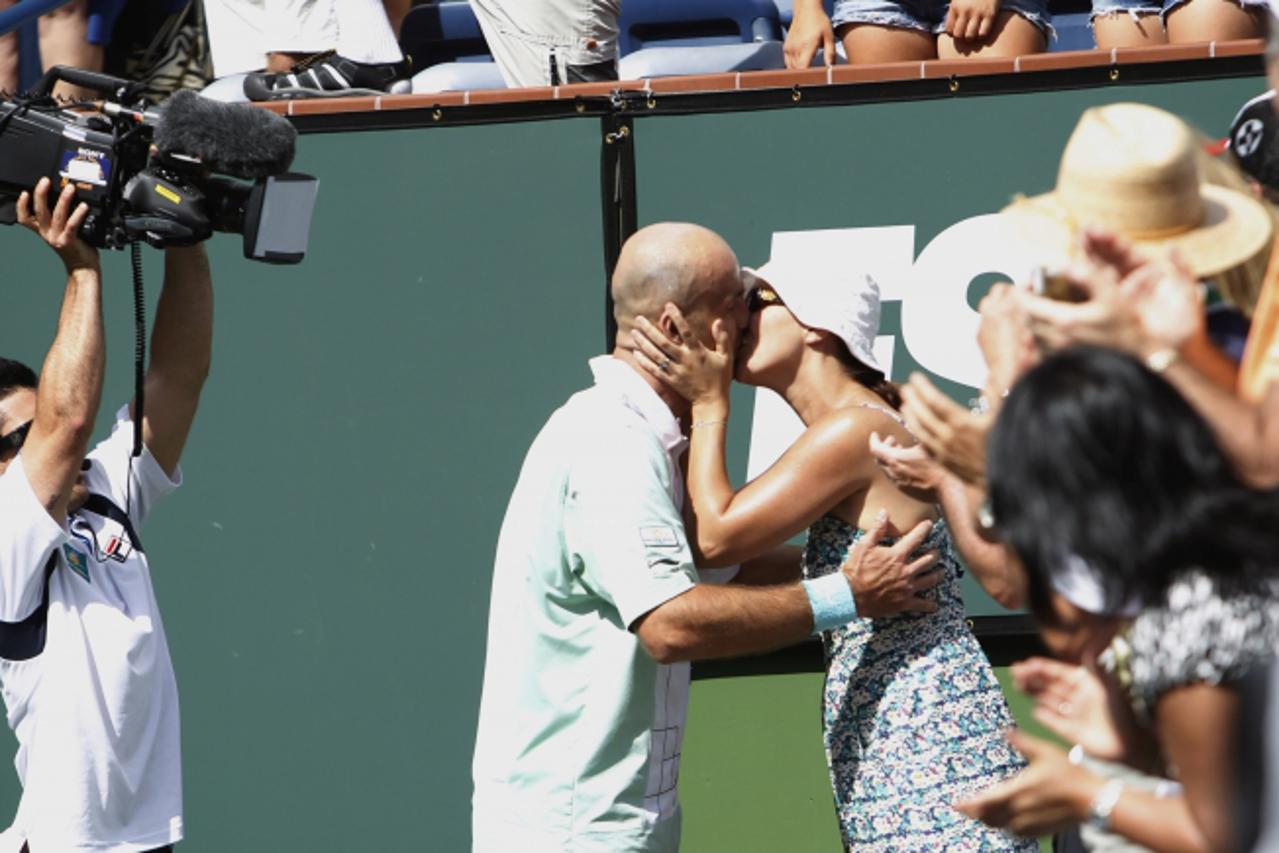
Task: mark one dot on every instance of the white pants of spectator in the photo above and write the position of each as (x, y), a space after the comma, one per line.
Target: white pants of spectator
(534, 41)
(243, 32)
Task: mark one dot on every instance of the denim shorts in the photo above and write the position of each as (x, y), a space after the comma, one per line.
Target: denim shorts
(1155, 7)
(930, 15)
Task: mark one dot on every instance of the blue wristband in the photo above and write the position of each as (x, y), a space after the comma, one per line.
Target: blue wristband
(832, 601)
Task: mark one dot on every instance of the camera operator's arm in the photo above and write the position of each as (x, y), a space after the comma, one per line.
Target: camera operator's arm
(71, 380)
(181, 348)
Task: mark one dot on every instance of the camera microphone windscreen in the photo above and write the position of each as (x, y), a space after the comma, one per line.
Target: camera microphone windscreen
(234, 139)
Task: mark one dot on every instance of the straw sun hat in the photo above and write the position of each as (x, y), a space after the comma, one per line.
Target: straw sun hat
(1130, 168)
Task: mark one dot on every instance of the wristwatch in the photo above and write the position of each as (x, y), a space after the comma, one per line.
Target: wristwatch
(1103, 803)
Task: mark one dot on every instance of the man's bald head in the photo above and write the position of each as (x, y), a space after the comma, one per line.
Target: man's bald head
(673, 262)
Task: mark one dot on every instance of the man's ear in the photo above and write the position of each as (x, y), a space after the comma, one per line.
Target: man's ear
(666, 322)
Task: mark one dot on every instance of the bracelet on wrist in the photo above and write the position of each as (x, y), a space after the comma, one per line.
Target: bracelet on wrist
(1103, 804)
(714, 422)
(1161, 359)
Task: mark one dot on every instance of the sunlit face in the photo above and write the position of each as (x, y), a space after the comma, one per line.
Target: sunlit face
(1076, 635)
(19, 409)
(772, 339)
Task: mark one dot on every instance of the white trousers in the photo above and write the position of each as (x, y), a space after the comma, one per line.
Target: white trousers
(528, 37)
(243, 32)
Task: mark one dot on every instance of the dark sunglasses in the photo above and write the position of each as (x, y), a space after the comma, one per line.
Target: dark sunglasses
(761, 295)
(12, 442)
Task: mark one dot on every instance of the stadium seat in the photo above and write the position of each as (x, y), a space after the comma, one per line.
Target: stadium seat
(674, 36)
(229, 89)
(1073, 32)
(786, 10)
(443, 32)
(458, 77)
(689, 23)
(672, 61)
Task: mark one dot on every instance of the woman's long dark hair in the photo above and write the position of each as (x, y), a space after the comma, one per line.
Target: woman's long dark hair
(1094, 455)
(869, 377)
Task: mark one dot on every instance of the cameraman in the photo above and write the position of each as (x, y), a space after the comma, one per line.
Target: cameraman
(84, 662)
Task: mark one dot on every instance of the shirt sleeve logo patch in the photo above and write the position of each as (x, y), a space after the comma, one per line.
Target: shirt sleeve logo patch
(659, 536)
(78, 562)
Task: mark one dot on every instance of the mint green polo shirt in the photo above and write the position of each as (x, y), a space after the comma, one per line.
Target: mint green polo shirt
(580, 730)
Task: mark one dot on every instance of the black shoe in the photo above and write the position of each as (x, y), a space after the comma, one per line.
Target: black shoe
(326, 75)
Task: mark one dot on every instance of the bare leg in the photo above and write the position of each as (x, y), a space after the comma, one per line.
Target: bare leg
(1215, 20)
(63, 41)
(1120, 29)
(1012, 35)
(282, 63)
(870, 43)
(8, 56)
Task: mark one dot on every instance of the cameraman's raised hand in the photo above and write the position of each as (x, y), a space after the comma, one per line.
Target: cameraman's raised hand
(60, 226)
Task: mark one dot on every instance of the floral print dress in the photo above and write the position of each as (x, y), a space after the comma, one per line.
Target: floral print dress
(913, 717)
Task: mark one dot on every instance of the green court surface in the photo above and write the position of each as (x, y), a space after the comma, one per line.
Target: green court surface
(753, 778)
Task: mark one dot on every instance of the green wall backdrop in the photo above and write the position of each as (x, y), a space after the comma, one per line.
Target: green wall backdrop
(324, 572)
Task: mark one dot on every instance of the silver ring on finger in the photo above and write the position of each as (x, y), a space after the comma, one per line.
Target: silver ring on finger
(666, 365)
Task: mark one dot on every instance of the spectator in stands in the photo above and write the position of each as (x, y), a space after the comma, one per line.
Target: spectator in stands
(896, 689)
(1151, 305)
(1144, 23)
(305, 48)
(75, 34)
(1146, 553)
(876, 31)
(551, 42)
(1124, 164)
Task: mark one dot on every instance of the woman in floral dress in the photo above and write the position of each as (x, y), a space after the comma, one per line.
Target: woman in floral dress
(913, 717)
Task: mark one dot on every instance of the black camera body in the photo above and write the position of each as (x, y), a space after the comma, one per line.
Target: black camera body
(128, 163)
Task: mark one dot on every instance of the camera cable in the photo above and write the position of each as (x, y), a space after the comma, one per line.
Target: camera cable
(139, 365)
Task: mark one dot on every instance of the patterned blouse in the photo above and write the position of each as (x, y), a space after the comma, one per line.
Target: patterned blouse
(1196, 636)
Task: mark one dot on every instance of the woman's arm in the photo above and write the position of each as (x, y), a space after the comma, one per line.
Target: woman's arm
(989, 562)
(1053, 794)
(1196, 727)
(826, 464)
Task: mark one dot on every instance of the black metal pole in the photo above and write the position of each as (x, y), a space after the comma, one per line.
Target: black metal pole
(617, 196)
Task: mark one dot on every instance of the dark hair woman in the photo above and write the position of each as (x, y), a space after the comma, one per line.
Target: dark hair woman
(1145, 553)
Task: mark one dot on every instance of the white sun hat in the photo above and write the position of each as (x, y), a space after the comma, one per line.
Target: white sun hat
(844, 304)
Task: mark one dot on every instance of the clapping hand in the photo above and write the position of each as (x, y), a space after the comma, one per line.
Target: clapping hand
(912, 469)
(1005, 340)
(1075, 703)
(1050, 795)
(1136, 302)
(954, 436)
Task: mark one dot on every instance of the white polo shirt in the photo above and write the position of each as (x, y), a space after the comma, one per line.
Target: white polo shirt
(580, 730)
(96, 712)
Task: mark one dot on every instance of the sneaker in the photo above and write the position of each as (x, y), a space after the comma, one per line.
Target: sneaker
(326, 75)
